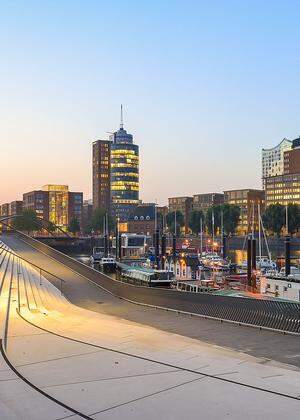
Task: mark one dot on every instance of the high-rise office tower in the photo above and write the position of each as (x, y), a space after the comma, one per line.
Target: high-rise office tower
(101, 174)
(124, 173)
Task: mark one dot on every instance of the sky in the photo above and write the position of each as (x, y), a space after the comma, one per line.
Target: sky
(204, 84)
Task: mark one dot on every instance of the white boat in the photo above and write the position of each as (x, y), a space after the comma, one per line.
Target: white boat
(262, 263)
(96, 255)
(294, 272)
(107, 263)
(147, 277)
(213, 261)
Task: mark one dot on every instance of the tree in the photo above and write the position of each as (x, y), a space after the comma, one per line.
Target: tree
(74, 226)
(27, 221)
(194, 222)
(293, 218)
(171, 221)
(231, 216)
(274, 218)
(50, 227)
(160, 220)
(97, 220)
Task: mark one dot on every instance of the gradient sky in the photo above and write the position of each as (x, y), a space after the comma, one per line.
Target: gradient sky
(205, 85)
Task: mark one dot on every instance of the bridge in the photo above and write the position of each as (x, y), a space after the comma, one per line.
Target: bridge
(71, 348)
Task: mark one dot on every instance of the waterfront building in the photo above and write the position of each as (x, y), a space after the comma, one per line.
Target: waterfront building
(273, 159)
(55, 203)
(283, 189)
(142, 219)
(101, 174)
(183, 205)
(5, 209)
(124, 173)
(15, 207)
(185, 267)
(75, 207)
(248, 201)
(58, 204)
(205, 201)
(292, 158)
(163, 211)
(87, 212)
(37, 201)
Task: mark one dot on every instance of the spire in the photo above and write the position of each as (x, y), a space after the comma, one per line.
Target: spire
(121, 119)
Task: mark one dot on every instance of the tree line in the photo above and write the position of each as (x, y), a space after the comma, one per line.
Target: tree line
(226, 215)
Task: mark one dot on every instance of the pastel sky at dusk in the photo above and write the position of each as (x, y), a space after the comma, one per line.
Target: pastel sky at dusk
(205, 85)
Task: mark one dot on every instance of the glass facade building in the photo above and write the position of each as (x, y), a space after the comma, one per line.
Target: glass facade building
(283, 189)
(124, 174)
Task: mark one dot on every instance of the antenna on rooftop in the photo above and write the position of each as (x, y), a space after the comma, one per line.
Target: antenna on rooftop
(121, 119)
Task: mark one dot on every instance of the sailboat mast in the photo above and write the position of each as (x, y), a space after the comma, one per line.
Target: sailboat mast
(287, 219)
(213, 229)
(222, 222)
(201, 236)
(259, 232)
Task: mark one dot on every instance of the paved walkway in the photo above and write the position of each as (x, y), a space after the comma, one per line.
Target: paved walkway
(270, 347)
(106, 367)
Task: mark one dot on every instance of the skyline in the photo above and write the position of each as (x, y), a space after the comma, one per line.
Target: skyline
(202, 88)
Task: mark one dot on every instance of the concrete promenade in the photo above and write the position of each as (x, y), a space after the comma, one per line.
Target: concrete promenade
(111, 362)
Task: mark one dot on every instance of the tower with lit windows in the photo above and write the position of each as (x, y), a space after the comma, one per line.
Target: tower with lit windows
(124, 173)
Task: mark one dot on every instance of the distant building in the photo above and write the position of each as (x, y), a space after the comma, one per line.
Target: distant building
(163, 211)
(37, 201)
(183, 205)
(273, 159)
(205, 201)
(248, 201)
(55, 203)
(283, 189)
(142, 219)
(5, 209)
(75, 207)
(87, 212)
(292, 158)
(124, 173)
(101, 174)
(15, 207)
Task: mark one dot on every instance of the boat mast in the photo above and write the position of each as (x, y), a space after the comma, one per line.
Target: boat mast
(265, 237)
(175, 222)
(253, 219)
(213, 229)
(222, 233)
(201, 236)
(286, 219)
(259, 232)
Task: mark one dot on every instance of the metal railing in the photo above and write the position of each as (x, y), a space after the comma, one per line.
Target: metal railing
(58, 280)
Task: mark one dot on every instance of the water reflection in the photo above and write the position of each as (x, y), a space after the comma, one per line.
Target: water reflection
(239, 255)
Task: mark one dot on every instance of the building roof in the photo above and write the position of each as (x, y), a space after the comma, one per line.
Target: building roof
(143, 212)
(278, 145)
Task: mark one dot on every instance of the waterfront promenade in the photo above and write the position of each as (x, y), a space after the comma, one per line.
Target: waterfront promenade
(89, 354)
